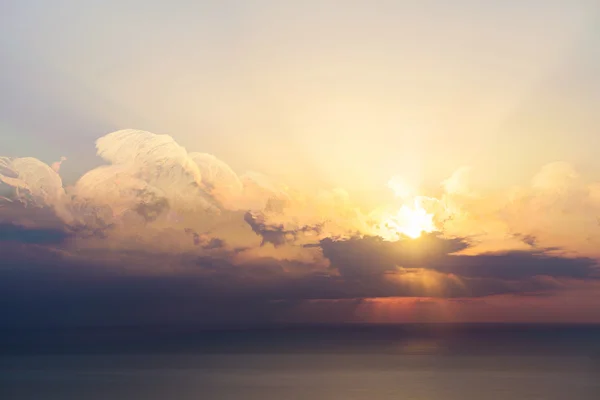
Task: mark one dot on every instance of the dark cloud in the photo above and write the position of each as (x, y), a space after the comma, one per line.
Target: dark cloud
(277, 235)
(39, 285)
(205, 241)
(150, 205)
(529, 240)
(517, 265)
(15, 233)
(15, 212)
(374, 256)
(195, 236)
(372, 260)
(214, 243)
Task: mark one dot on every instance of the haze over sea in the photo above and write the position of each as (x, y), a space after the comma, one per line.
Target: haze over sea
(346, 362)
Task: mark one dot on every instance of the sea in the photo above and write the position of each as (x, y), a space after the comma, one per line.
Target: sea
(346, 362)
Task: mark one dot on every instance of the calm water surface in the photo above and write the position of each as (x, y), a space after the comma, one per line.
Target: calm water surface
(366, 367)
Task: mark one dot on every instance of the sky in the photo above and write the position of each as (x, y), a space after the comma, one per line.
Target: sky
(266, 161)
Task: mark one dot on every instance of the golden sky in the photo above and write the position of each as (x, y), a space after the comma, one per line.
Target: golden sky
(370, 155)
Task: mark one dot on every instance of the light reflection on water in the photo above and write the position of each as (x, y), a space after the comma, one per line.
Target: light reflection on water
(429, 363)
(421, 346)
(298, 376)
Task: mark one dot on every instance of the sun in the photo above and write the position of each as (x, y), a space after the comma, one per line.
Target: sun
(411, 219)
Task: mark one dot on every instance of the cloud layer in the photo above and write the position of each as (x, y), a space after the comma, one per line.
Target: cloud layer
(164, 233)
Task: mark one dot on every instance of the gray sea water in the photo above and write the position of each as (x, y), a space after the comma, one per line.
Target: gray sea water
(296, 376)
(309, 365)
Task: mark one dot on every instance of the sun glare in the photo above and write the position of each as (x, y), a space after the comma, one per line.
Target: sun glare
(410, 219)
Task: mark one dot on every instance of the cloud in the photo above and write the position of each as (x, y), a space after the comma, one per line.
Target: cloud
(161, 227)
(16, 233)
(458, 182)
(277, 235)
(559, 209)
(517, 265)
(373, 255)
(153, 185)
(42, 285)
(34, 183)
(412, 264)
(205, 241)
